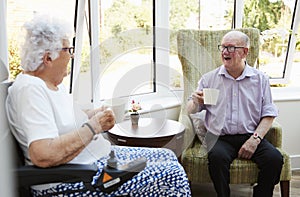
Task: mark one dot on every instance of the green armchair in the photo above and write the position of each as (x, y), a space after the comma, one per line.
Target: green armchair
(197, 51)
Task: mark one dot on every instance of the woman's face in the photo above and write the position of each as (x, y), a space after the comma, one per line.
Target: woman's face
(60, 64)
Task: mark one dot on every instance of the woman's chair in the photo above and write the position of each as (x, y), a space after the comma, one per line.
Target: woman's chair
(28, 175)
(198, 53)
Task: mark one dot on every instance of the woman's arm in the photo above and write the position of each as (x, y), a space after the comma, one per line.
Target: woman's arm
(62, 149)
(91, 112)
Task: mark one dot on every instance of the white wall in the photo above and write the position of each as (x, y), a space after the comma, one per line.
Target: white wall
(288, 102)
(6, 176)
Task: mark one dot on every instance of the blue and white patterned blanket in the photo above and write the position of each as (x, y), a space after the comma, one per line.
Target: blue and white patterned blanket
(163, 176)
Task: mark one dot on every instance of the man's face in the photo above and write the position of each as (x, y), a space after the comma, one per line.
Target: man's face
(234, 53)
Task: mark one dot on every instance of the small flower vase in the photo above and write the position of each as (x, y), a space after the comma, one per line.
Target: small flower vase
(135, 118)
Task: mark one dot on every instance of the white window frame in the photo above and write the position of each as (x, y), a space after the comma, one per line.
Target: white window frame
(291, 48)
(162, 33)
(162, 50)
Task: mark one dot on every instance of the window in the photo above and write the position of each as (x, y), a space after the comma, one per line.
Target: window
(195, 14)
(125, 42)
(129, 65)
(277, 22)
(18, 12)
(126, 45)
(276, 19)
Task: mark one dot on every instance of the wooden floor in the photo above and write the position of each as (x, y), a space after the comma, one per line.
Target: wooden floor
(245, 190)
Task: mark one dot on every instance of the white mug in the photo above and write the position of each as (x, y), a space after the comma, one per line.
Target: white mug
(210, 96)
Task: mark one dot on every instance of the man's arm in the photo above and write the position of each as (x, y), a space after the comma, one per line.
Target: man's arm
(195, 102)
(249, 147)
(264, 126)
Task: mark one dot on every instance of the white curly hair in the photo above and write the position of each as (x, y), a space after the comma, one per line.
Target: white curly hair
(43, 34)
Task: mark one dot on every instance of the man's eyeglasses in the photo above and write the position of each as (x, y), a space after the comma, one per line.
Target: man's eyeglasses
(70, 49)
(230, 49)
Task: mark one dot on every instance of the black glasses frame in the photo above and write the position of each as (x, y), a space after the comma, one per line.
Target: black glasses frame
(230, 49)
(70, 49)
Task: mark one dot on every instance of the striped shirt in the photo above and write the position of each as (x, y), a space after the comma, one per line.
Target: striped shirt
(242, 102)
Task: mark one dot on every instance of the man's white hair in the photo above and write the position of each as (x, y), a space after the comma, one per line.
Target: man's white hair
(242, 36)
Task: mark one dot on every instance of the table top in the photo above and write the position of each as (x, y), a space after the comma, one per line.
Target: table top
(148, 128)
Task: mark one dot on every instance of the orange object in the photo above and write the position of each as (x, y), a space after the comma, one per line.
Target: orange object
(106, 177)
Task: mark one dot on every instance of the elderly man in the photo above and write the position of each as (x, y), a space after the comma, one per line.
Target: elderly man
(241, 118)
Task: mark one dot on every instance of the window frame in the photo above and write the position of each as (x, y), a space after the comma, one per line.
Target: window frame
(93, 23)
(161, 40)
(288, 62)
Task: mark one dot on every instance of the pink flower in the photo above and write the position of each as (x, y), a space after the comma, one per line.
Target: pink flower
(135, 106)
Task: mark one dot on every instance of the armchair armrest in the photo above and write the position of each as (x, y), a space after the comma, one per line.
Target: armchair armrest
(33, 175)
(189, 134)
(274, 135)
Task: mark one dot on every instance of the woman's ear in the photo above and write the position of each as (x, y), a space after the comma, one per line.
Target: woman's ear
(46, 59)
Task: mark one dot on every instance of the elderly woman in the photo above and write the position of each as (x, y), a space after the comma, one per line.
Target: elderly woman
(52, 130)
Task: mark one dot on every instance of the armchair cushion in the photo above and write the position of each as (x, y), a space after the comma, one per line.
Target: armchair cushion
(199, 127)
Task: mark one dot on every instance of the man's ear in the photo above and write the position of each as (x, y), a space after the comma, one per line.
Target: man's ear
(46, 59)
(246, 50)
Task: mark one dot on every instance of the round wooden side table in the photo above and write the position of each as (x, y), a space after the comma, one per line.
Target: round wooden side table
(150, 132)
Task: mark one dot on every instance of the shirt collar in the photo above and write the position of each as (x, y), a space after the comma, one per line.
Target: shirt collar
(248, 72)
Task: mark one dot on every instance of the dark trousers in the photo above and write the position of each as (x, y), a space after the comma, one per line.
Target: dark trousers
(223, 150)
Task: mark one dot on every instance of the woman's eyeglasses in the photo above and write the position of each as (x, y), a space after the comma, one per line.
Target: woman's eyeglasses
(70, 49)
